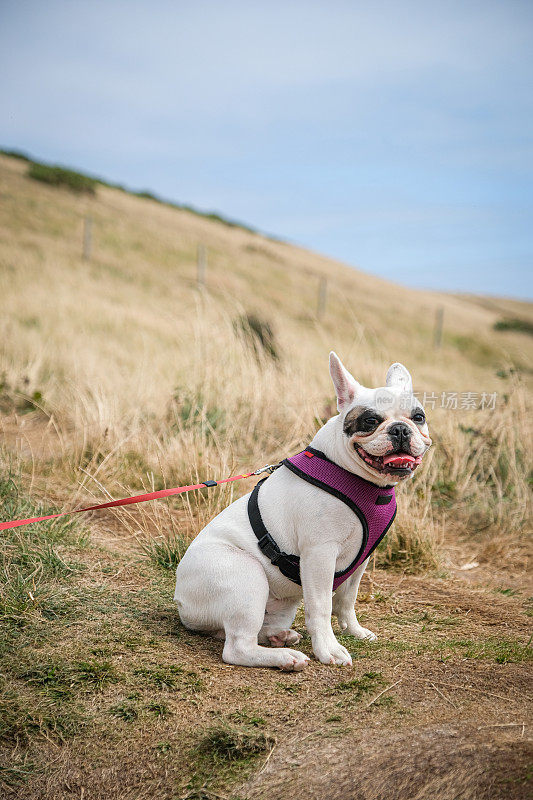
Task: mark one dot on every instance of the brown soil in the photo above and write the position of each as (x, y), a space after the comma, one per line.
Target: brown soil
(446, 761)
(449, 724)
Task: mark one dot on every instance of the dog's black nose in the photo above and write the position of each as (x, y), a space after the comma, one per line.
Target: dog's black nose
(400, 434)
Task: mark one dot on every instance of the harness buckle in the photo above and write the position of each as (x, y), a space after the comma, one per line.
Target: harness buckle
(269, 548)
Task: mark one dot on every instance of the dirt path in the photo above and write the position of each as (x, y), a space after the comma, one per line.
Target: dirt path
(444, 761)
(447, 719)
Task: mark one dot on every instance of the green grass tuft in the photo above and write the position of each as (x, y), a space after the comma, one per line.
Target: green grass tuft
(502, 651)
(63, 178)
(18, 154)
(60, 678)
(20, 771)
(514, 324)
(509, 592)
(189, 410)
(32, 570)
(159, 710)
(124, 711)
(258, 335)
(229, 743)
(358, 687)
(25, 717)
(166, 553)
(407, 549)
(170, 677)
(245, 717)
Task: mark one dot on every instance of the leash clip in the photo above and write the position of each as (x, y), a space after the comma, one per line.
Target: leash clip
(269, 468)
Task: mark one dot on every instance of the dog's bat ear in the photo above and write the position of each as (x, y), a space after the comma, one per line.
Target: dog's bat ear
(346, 386)
(398, 375)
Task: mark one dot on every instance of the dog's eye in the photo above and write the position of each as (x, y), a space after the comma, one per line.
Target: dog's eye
(419, 418)
(368, 423)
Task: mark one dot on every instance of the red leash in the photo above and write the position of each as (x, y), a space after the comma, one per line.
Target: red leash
(139, 498)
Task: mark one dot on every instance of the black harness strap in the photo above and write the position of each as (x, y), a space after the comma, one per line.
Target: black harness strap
(287, 565)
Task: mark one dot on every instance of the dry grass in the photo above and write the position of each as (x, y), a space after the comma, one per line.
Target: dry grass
(142, 381)
(118, 375)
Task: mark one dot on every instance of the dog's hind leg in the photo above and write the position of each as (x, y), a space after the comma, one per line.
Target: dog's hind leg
(244, 623)
(279, 616)
(224, 588)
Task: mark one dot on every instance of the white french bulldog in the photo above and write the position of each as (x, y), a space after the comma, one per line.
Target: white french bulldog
(227, 587)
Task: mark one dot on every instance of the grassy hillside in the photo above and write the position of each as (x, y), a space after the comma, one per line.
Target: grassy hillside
(118, 373)
(145, 377)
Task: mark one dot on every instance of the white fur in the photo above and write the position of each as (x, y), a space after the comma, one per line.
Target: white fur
(226, 586)
(398, 376)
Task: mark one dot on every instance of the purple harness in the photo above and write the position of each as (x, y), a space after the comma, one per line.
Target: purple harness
(374, 505)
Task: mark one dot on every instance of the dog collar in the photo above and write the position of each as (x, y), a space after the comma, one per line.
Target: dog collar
(375, 506)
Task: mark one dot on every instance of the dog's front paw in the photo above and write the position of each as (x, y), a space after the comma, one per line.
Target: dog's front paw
(357, 631)
(331, 652)
(292, 660)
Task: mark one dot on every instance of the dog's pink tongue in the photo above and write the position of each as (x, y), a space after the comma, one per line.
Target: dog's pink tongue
(398, 460)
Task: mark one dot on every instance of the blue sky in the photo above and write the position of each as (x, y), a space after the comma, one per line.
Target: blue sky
(395, 136)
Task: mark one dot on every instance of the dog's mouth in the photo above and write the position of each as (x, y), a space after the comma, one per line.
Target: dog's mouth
(390, 464)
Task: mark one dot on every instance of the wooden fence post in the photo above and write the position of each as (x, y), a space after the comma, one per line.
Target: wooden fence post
(439, 320)
(87, 238)
(201, 266)
(321, 300)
